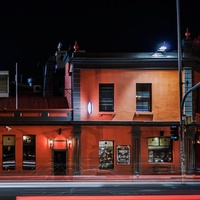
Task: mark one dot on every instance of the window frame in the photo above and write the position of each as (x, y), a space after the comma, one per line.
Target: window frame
(142, 100)
(160, 150)
(29, 152)
(9, 151)
(106, 97)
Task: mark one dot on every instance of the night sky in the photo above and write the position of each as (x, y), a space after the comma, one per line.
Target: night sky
(31, 30)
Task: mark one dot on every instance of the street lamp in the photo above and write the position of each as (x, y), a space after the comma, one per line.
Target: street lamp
(182, 147)
(182, 98)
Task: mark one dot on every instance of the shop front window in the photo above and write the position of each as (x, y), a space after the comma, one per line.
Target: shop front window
(160, 149)
(106, 158)
(9, 152)
(29, 152)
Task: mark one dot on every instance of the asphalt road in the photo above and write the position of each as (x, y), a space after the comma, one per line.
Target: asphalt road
(9, 191)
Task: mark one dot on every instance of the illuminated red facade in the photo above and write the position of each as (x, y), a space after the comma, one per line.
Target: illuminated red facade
(115, 116)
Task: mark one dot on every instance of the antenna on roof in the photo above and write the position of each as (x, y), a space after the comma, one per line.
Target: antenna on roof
(16, 84)
(59, 46)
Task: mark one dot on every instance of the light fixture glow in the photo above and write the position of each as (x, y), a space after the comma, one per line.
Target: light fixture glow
(69, 141)
(162, 48)
(90, 107)
(198, 140)
(51, 143)
(160, 52)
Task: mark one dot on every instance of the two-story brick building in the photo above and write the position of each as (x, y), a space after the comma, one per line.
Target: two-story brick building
(113, 116)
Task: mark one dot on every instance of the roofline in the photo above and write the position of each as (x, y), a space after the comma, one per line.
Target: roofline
(124, 63)
(92, 123)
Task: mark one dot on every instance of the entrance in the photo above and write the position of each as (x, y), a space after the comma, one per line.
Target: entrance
(59, 162)
(197, 150)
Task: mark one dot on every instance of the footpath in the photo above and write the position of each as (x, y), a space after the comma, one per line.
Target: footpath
(104, 178)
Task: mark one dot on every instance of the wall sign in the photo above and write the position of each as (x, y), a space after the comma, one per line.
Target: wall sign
(123, 155)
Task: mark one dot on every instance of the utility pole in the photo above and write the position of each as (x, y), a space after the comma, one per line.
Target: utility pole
(182, 128)
(182, 140)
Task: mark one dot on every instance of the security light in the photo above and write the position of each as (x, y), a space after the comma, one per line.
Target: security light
(8, 128)
(162, 48)
(160, 51)
(90, 107)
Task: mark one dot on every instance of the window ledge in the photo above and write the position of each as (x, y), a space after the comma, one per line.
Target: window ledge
(143, 113)
(107, 113)
(163, 168)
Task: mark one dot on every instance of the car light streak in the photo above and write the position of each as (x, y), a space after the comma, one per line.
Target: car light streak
(144, 197)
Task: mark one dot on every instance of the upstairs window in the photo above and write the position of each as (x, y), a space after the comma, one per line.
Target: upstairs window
(143, 97)
(106, 97)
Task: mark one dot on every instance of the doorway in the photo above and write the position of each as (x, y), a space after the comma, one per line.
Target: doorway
(59, 162)
(197, 150)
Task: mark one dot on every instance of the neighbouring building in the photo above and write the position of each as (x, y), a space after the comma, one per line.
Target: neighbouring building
(105, 114)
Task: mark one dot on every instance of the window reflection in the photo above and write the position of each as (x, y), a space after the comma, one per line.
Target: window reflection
(106, 97)
(143, 97)
(29, 161)
(160, 149)
(9, 152)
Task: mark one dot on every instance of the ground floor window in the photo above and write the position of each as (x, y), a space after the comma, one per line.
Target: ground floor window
(106, 158)
(29, 161)
(8, 152)
(160, 149)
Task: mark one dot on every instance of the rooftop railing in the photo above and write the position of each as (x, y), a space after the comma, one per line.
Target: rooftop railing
(35, 116)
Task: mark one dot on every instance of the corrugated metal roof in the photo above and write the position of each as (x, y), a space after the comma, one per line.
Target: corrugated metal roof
(34, 103)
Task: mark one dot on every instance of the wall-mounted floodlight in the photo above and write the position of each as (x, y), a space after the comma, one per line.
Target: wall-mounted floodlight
(8, 128)
(90, 107)
(163, 48)
(160, 51)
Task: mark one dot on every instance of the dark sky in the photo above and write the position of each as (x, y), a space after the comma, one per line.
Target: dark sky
(31, 30)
